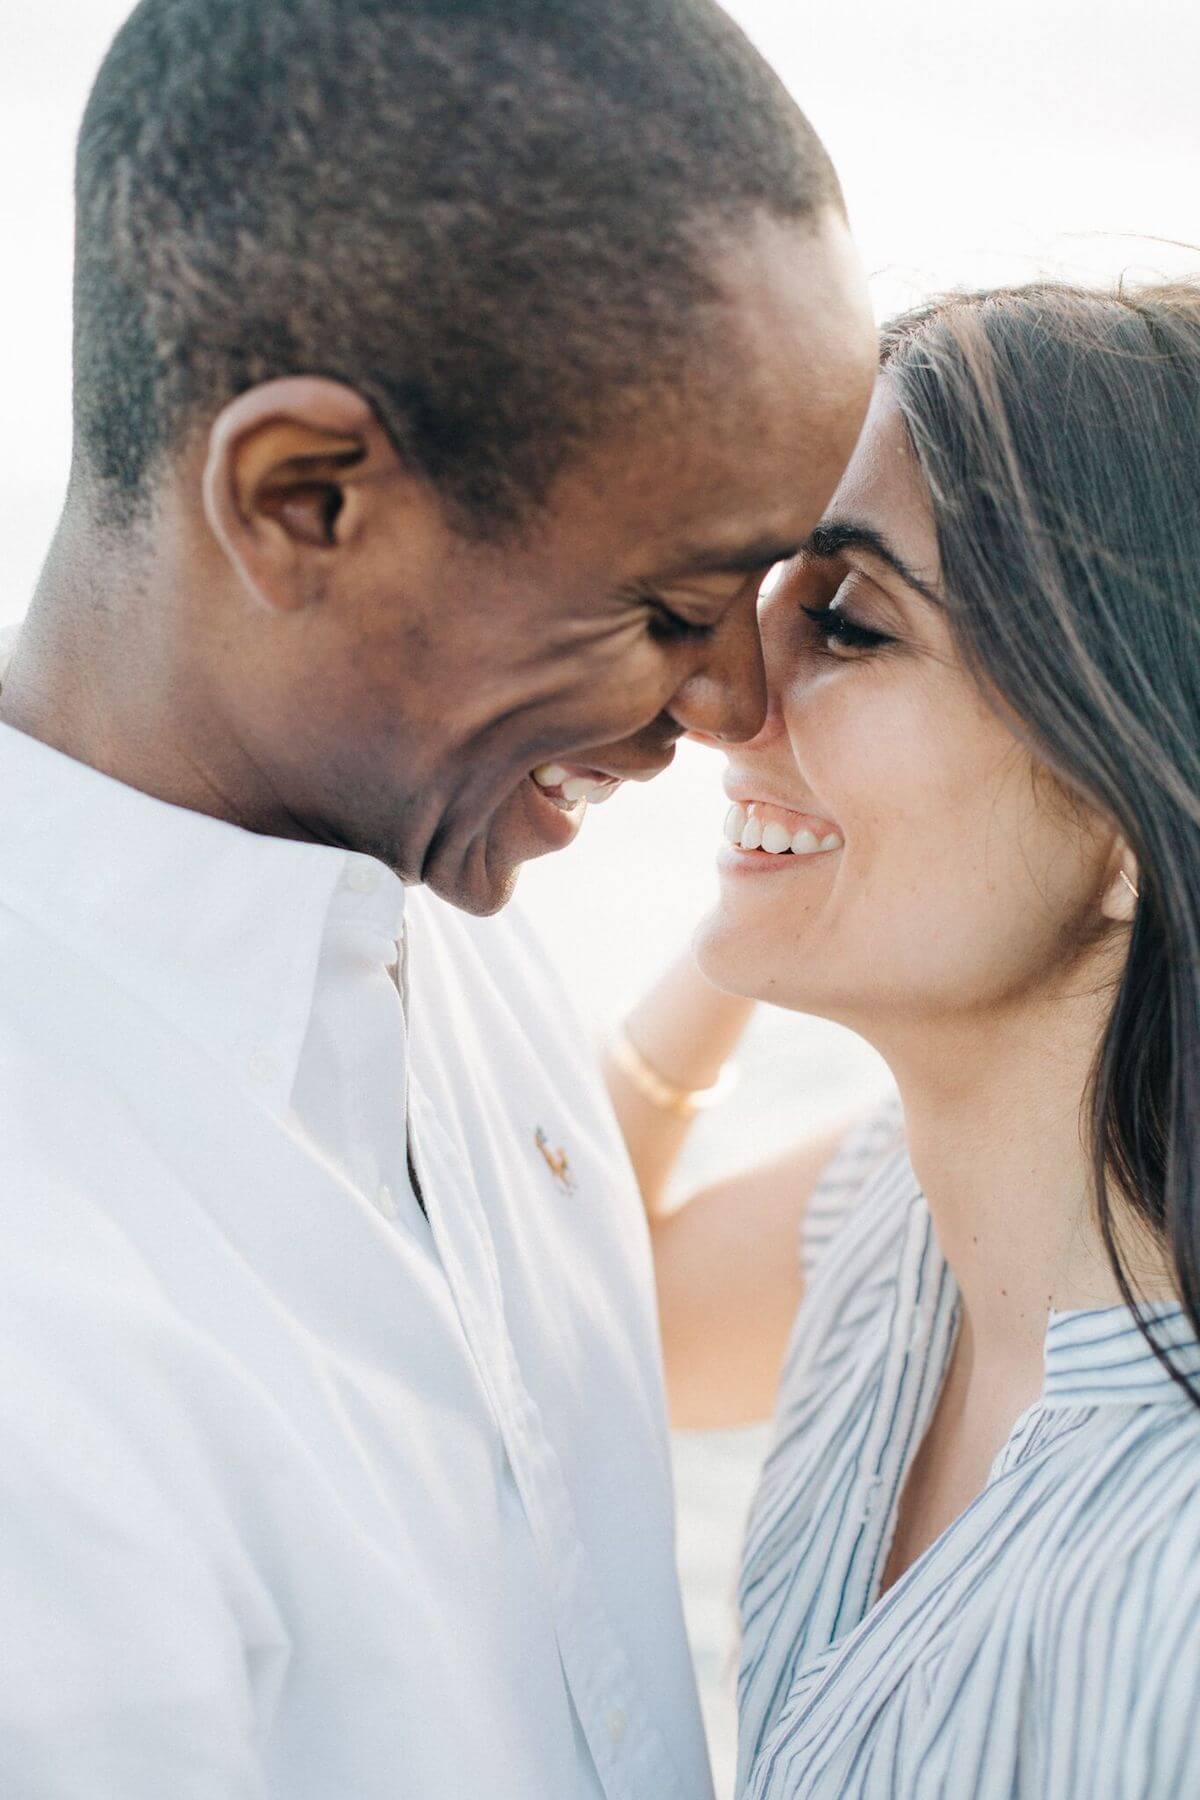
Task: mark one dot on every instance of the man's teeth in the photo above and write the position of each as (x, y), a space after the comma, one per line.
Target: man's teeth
(578, 789)
(553, 779)
(749, 831)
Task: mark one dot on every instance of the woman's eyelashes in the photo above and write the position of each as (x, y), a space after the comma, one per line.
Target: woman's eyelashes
(841, 634)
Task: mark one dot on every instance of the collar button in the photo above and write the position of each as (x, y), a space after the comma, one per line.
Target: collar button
(262, 1066)
(362, 877)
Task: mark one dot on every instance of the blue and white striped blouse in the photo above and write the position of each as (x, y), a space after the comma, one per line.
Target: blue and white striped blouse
(1047, 1645)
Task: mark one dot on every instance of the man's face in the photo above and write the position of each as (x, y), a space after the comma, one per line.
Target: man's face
(447, 673)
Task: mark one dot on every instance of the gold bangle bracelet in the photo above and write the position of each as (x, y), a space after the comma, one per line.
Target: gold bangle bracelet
(685, 1103)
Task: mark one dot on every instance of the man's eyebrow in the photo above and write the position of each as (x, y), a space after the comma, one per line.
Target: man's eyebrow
(833, 537)
(748, 559)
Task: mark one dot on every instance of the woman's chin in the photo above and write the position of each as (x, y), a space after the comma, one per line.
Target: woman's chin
(738, 962)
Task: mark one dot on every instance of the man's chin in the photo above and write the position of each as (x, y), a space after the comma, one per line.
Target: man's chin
(481, 891)
(482, 876)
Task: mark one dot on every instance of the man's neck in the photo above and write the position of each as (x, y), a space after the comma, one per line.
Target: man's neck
(103, 672)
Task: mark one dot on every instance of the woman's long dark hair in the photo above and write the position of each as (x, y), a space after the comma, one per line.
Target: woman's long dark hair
(1059, 433)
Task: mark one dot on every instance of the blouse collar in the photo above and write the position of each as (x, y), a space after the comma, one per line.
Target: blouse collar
(1102, 1358)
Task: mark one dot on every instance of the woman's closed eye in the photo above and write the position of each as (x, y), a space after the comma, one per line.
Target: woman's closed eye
(841, 634)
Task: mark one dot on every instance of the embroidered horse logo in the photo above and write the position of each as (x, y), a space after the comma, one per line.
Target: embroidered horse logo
(557, 1161)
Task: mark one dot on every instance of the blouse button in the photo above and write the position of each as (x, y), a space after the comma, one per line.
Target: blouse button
(870, 1504)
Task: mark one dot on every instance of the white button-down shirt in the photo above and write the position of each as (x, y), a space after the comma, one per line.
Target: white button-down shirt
(1047, 1645)
(301, 1493)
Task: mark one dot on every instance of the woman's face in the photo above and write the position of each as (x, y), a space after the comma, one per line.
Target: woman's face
(936, 873)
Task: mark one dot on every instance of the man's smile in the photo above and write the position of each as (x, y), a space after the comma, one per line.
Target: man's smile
(567, 784)
(571, 785)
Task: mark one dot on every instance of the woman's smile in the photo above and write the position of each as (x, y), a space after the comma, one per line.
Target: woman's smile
(761, 834)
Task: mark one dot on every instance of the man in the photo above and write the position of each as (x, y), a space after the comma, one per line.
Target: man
(447, 375)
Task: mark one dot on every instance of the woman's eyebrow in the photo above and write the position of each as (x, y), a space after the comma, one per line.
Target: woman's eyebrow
(833, 537)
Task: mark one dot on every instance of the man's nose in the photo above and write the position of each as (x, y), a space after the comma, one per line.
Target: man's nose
(725, 699)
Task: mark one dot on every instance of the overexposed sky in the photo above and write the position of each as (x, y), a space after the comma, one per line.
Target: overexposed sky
(986, 141)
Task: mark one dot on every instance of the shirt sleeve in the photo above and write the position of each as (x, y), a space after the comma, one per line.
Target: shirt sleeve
(124, 1672)
(855, 1160)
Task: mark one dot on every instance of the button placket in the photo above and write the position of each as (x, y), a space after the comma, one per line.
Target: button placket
(593, 1657)
(872, 1495)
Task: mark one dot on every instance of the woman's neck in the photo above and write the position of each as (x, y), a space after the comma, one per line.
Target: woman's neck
(996, 1118)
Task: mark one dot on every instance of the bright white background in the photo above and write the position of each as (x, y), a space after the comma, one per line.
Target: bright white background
(976, 144)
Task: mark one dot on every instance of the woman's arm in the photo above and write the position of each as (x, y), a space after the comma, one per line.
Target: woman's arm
(685, 1030)
(727, 1259)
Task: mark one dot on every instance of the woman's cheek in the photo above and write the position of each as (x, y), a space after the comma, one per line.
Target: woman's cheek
(867, 750)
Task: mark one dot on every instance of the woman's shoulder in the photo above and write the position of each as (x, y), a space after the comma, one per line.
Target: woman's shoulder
(1130, 1515)
(869, 1169)
(1114, 1644)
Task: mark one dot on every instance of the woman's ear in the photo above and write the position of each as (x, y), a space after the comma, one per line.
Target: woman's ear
(1119, 902)
(284, 460)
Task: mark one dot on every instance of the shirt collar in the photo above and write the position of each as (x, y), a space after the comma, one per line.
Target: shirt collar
(217, 929)
(1101, 1357)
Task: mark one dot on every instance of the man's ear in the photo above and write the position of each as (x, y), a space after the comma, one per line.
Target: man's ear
(286, 480)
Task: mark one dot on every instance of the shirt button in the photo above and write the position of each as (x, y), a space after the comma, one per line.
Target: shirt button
(618, 1724)
(262, 1066)
(385, 1200)
(870, 1505)
(362, 877)
(916, 1335)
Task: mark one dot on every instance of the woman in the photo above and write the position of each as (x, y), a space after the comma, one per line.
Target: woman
(970, 830)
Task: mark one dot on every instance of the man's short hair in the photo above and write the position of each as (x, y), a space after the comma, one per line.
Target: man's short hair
(491, 217)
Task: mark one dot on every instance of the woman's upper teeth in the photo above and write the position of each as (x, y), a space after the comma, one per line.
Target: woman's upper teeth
(759, 826)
